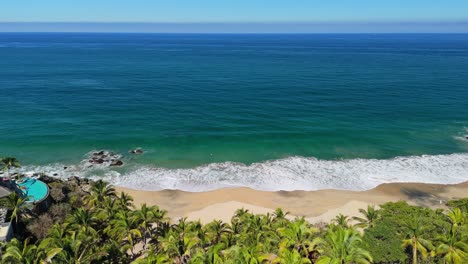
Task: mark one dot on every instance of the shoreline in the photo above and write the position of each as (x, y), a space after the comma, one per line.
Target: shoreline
(315, 206)
(289, 173)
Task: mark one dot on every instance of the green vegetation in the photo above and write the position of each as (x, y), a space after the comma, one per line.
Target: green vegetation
(91, 223)
(7, 163)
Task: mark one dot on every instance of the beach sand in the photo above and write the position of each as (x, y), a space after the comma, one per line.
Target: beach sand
(315, 206)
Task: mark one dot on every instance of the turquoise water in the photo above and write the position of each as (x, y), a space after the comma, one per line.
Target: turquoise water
(195, 102)
(36, 190)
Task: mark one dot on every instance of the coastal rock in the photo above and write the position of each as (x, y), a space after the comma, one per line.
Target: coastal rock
(74, 179)
(116, 163)
(99, 153)
(48, 179)
(102, 159)
(136, 151)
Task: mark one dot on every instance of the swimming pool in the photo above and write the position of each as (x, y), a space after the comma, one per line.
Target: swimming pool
(35, 189)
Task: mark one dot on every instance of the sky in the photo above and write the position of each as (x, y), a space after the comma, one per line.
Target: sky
(234, 15)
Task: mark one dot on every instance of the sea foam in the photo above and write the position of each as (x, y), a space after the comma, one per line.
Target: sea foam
(293, 173)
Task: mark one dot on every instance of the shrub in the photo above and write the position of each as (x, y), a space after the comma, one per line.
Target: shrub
(59, 212)
(40, 226)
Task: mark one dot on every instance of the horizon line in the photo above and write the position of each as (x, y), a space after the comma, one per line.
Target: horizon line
(385, 21)
(291, 27)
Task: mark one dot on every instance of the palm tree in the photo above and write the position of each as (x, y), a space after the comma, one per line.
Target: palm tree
(152, 257)
(452, 248)
(287, 256)
(414, 232)
(298, 236)
(125, 201)
(456, 217)
(99, 190)
(18, 205)
(279, 217)
(147, 218)
(342, 246)
(245, 254)
(116, 252)
(341, 220)
(181, 248)
(17, 252)
(124, 228)
(83, 219)
(370, 216)
(76, 248)
(216, 230)
(109, 207)
(214, 253)
(8, 163)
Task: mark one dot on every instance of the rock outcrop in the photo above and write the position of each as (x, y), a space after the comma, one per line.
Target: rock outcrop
(136, 151)
(103, 159)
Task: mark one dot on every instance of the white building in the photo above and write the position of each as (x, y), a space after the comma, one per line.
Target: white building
(6, 231)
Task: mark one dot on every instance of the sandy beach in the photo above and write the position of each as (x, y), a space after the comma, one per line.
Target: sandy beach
(315, 206)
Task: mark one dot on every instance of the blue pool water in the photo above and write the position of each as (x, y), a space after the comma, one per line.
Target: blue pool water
(35, 189)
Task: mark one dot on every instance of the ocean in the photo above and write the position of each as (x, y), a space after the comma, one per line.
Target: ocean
(270, 112)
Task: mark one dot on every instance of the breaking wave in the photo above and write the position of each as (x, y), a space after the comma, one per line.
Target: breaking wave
(293, 173)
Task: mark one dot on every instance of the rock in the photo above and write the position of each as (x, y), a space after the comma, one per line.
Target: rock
(116, 163)
(102, 158)
(74, 179)
(65, 167)
(136, 151)
(98, 161)
(48, 179)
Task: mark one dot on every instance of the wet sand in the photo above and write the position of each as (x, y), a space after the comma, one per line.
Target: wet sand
(316, 206)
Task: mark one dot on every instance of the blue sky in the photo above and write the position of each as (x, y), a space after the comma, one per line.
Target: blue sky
(447, 15)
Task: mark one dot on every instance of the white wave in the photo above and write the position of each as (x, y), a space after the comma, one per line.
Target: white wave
(462, 138)
(294, 173)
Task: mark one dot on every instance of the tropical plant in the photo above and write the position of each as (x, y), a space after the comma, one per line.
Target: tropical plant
(299, 236)
(147, 218)
(8, 163)
(342, 246)
(415, 230)
(280, 217)
(125, 201)
(17, 205)
(452, 248)
(456, 217)
(124, 228)
(341, 220)
(287, 256)
(21, 252)
(83, 220)
(99, 191)
(370, 217)
(216, 231)
(77, 247)
(107, 228)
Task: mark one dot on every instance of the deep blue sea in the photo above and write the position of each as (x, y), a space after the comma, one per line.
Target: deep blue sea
(345, 111)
